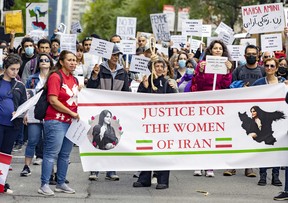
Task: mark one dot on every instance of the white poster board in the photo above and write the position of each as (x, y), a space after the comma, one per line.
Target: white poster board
(271, 42)
(226, 38)
(192, 27)
(216, 65)
(76, 28)
(194, 44)
(128, 46)
(263, 18)
(236, 52)
(206, 30)
(178, 40)
(101, 48)
(77, 132)
(160, 27)
(169, 10)
(222, 27)
(140, 64)
(126, 27)
(68, 42)
(37, 17)
(183, 14)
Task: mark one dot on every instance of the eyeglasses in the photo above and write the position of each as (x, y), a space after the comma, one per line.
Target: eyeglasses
(269, 65)
(44, 60)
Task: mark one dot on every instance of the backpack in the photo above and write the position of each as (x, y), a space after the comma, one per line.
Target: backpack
(42, 104)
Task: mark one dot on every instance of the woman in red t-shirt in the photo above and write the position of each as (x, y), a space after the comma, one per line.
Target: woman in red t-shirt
(62, 96)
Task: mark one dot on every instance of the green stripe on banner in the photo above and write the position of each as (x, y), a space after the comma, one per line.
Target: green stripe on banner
(182, 153)
(144, 141)
(224, 139)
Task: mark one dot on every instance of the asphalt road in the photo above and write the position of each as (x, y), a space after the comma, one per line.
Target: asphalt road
(183, 187)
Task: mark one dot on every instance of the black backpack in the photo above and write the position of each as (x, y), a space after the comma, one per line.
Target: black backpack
(42, 104)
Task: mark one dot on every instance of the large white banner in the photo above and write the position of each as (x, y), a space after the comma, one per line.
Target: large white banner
(263, 18)
(211, 129)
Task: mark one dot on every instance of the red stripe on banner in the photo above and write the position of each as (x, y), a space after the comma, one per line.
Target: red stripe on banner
(183, 102)
(1, 188)
(144, 148)
(5, 158)
(223, 145)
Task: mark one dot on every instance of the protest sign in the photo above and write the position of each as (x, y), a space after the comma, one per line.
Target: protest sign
(222, 27)
(194, 44)
(68, 42)
(192, 27)
(126, 27)
(77, 132)
(139, 64)
(76, 28)
(27, 105)
(183, 14)
(169, 10)
(210, 39)
(13, 21)
(36, 35)
(263, 18)
(236, 52)
(271, 42)
(160, 27)
(5, 161)
(101, 48)
(206, 30)
(226, 38)
(128, 46)
(216, 65)
(178, 41)
(170, 130)
(37, 17)
(246, 42)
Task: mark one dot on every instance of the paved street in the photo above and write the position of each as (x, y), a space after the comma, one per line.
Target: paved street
(183, 187)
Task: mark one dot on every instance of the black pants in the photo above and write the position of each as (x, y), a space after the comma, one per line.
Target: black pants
(162, 177)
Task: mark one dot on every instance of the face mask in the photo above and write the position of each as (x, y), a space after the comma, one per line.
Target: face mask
(251, 60)
(189, 71)
(182, 63)
(282, 70)
(29, 51)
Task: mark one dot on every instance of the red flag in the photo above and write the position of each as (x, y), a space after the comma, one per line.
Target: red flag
(5, 161)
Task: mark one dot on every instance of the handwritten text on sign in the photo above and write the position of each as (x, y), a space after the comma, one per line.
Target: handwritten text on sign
(263, 18)
(160, 27)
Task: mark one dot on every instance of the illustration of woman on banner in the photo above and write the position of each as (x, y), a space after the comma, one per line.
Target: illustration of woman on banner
(259, 127)
(104, 136)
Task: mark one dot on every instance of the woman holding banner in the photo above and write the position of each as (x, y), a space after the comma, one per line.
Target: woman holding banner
(205, 81)
(12, 95)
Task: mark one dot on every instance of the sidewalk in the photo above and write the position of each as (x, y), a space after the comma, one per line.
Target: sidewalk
(183, 187)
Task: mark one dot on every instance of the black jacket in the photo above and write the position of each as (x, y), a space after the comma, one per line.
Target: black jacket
(161, 83)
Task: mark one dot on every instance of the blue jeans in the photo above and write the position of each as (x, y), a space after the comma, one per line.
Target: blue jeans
(56, 147)
(8, 136)
(34, 135)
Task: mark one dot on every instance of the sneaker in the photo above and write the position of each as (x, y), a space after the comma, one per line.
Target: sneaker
(37, 161)
(281, 196)
(209, 173)
(25, 172)
(64, 188)
(17, 148)
(154, 180)
(45, 190)
(112, 177)
(93, 176)
(197, 173)
(249, 173)
(229, 172)
(7, 189)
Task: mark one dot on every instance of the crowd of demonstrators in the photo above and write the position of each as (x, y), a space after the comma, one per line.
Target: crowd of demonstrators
(180, 71)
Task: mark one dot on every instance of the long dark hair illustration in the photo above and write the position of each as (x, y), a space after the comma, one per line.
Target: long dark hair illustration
(259, 126)
(104, 136)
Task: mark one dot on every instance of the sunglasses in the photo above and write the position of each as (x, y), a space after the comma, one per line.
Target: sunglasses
(268, 65)
(44, 60)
